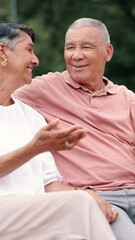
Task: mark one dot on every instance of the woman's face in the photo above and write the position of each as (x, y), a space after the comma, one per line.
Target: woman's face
(21, 61)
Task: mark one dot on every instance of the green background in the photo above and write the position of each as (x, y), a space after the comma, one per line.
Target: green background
(50, 19)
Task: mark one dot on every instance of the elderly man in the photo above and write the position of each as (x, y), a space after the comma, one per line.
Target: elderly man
(103, 163)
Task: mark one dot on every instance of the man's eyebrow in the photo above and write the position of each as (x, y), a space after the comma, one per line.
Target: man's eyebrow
(90, 43)
(69, 43)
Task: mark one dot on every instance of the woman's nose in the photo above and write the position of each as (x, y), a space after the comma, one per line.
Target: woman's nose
(35, 60)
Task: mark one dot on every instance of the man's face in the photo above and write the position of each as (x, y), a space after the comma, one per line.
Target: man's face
(86, 53)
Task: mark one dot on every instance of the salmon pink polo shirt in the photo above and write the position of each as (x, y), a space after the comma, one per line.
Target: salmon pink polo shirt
(105, 158)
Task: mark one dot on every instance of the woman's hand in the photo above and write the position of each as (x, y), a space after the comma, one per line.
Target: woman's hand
(105, 207)
(51, 139)
(47, 139)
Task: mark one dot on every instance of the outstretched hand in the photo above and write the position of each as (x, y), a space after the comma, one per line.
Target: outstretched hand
(51, 139)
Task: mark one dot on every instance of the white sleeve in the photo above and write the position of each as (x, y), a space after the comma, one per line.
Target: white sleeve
(49, 169)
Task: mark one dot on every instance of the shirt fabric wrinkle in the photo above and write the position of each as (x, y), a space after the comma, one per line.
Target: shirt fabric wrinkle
(110, 142)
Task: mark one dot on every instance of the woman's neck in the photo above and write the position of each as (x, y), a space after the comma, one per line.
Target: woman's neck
(5, 98)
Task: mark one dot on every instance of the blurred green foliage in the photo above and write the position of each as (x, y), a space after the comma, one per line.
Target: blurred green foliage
(50, 19)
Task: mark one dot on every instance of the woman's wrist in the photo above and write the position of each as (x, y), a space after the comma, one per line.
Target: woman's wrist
(90, 187)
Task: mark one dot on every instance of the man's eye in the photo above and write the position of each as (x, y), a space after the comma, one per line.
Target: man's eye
(88, 47)
(69, 48)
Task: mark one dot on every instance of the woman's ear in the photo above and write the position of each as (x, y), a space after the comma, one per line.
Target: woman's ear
(3, 51)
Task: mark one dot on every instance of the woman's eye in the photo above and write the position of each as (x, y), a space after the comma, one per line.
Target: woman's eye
(29, 50)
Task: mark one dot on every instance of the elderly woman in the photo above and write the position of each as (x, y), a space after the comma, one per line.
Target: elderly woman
(26, 168)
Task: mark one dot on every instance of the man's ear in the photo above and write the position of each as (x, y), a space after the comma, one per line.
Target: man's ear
(110, 51)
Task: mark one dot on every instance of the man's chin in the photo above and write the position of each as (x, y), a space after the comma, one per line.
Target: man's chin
(79, 78)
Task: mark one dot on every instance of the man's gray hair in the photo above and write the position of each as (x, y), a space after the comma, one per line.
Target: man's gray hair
(90, 22)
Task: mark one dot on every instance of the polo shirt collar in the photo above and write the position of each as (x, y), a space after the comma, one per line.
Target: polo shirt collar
(109, 88)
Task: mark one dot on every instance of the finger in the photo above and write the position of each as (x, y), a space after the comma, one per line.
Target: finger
(72, 134)
(70, 145)
(73, 139)
(113, 216)
(78, 134)
(52, 124)
(73, 128)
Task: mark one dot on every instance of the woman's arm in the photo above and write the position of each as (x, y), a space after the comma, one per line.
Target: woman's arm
(46, 139)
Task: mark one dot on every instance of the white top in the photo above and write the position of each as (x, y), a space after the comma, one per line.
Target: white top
(18, 125)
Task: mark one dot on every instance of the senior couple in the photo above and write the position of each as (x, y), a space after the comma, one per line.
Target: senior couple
(96, 134)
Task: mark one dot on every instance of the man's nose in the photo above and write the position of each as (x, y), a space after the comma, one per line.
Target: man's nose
(78, 54)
